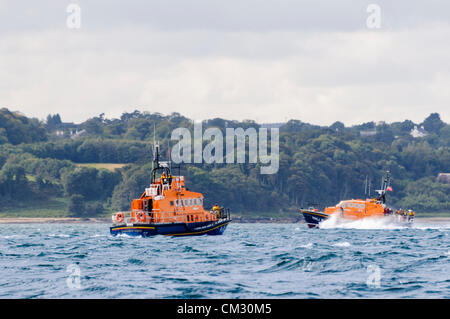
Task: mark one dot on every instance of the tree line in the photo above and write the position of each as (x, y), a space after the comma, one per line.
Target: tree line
(319, 165)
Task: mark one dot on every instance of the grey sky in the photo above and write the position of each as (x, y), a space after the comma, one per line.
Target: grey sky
(266, 60)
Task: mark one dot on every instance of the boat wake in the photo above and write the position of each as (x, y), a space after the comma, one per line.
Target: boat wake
(364, 223)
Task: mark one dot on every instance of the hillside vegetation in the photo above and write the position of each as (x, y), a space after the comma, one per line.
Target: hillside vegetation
(98, 166)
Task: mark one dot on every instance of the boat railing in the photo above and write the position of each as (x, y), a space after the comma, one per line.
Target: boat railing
(159, 217)
(225, 214)
(222, 214)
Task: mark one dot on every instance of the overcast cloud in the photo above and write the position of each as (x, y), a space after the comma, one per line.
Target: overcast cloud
(271, 61)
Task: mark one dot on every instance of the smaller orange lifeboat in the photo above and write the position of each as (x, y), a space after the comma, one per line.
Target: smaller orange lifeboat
(354, 209)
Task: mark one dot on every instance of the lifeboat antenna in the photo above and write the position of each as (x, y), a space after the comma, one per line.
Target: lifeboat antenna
(169, 155)
(156, 148)
(155, 163)
(365, 187)
(384, 185)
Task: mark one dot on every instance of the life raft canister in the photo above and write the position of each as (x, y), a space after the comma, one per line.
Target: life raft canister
(140, 216)
(119, 217)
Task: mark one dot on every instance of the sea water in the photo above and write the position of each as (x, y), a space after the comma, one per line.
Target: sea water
(248, 261)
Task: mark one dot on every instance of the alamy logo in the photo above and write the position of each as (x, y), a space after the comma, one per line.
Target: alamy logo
(73, 281)
(374, 19)
(213, 152)
(74, 19)
(374, 278)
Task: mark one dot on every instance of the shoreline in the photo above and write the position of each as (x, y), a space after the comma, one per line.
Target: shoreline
(51, 220)
(237, 219)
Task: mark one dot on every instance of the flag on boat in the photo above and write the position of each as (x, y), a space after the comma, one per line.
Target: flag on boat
(389, 189)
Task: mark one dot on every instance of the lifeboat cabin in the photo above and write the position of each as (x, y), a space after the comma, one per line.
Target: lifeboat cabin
(168, 208)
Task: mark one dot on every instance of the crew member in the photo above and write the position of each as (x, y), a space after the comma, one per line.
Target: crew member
(405, 214)
(163, 178)
(216, 209)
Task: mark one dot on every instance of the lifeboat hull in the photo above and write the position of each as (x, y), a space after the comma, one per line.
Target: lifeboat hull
(313, 218)
(172, 229)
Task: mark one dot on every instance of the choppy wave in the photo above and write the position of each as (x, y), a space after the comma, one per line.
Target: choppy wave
(248, 261)
(342, 244)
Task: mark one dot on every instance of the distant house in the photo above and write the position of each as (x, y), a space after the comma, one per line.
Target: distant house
(418, 132)
(77, 133)
(443, 177)
(368, 132)
(62, 127)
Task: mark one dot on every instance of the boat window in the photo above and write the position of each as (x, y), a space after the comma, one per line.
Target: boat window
(171, 203)
(190, 201)
(187, 217)
(194, 201)
(199, 201)
(185, 202)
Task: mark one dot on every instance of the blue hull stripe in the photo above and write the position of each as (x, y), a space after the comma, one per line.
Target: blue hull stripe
(180, 229)
(314, 218)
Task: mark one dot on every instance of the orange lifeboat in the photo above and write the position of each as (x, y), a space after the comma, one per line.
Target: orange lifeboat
(354, 209)
(168, 208)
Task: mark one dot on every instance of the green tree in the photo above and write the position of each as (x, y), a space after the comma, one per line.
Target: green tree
(433, 123)
(77, 206)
